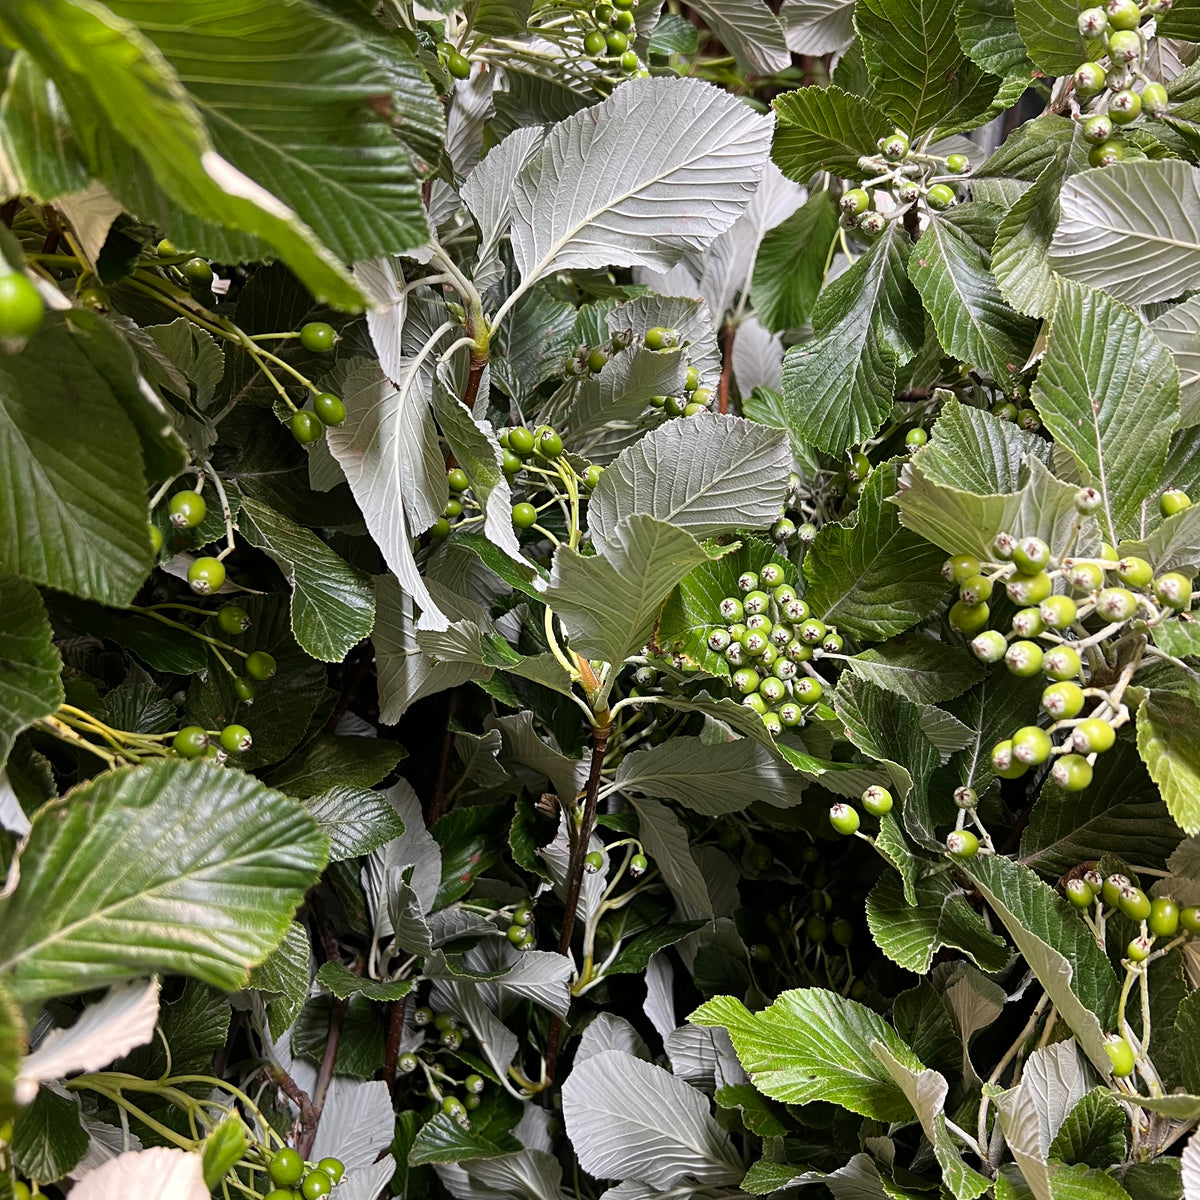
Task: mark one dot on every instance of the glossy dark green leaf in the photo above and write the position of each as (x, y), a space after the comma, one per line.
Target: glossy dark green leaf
(29, 680)
(48, 1139)
(825, 129)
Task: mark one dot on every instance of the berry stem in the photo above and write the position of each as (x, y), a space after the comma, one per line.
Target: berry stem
(203, 637)
(226, 511)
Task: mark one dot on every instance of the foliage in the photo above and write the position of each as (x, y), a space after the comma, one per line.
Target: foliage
(596, 599)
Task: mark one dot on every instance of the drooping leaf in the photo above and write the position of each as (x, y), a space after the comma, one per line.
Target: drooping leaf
(343, 983)
(211, 908)
(825, 129)
(47, 1138)
(750, 31)
(712, 474)
(665, 840)
(868, 575)
(1108, 391)
(1132, 229)
(609, 603)
(1168, 742)
(1093, 1135)
(628, 1119)
(653, 202)
(29, 681)
(817, 28)
(838, 387)
(812, 1044)
(355, 820)
(790, 266)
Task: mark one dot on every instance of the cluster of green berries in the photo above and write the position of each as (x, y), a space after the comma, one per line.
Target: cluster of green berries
(876, 801)
(786, 529)
(1029, 574)
(910, 176)
(294, 1179)
(457, 64)
(309, 425)
(767, 638)
(593, 863)
(520, 932)
(21, 308)
(192, 741)
(1109, 92)
(1016, 408)
(186, 510)
(609, 36)
(445, 1031)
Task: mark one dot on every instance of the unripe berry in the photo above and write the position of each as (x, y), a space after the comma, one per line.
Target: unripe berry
(637, 865)
(1174, 590)
(1134, 903)
(1029, 589)
(807, 690)
(1063, 662)
(772, 575)
(877, 801)
(1063, 701)
(940, 197)
(745, 680)
(1057, 612)
(1093, 736)
(968, 618)
(806, 534)
(1072, 773)
(916, 438)
(960, 568)
(1088, 500)
(1136, 572)
(844, 819)
(1031, 745)
(958, 164)
(989, 647)
(1106, 154)
(731, 609)
(796, 611)
(1004, 763)
(1079, 893)
(790, 713)
(1031, 555)
(756, 602)
(1124, 46)
(895, 146)
(872, 223)
(1003, 546)
(975, 590)
(1092, 23)
(1028, 623)
(1120, 1055)
(1112, 887)
(966, 797)
(1125, 107)
(1089, 78)
(1123, 14)
(1097, 129)
(962, 843)
(1116, 604)
(1086, 577)
(1024, 659)
(1138, 950)
(1155, 103)
(855, 202)
(812, 631)
(1189, 918)
(772, 689)
(719, 640)
(1163, 920)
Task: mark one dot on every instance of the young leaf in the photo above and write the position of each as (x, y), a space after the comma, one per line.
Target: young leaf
(575, 205)
(212, 906)
(333, 607)
(868, 575)
(838, 387)
(30, 686)
(609, 603)
(987, 32)
(628, 1119)
(1132, 229)
(826, 129)
(712, 474)
(813, 1044)
(952, 273)
(1108, 391)
(1167, 739)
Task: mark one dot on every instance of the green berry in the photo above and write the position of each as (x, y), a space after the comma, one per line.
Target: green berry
(1125, 107)
(844, 819)
(1024, 659)
(329, 409)
(1031, 555)
(187, 509)
(547, 442)
(1092, 23)
(198, 273)
(1111, 888)
(236, 739)
(1138, 949)
(1106, 154)
(807, 690)
(422, 1016)
(1124, 46)
(790, 714)
(940, 197)
(1123, 14)
(286, 1167)
(692, 381)
(1173, 501)
(1005, 410)
(453, 509)
(1072, 773)
(731, 609)
(474, 1084)
(616, 42)
(1155, 102)
(593, 862)
(315, 1185)
(638, 865)
(772, 689)
(1163, 920)
(660, 338)
(1089, 80)
(958, 164)
(975, 590)
(1031, 745)
(440, 528)
(260, 666)
(842, 931)
(1097, 129)
(960, 568)
(1079, 893)
(596, 360)
(629, 62)
(306, 427)
(1174, 590)
(206, 575)
(854, 202)
(317, 337)
(233, 619)
(190, 742)
(1063, 701)
(166, 249)
(594, 45)
(457, 478)
(969, 618)
(1063, 662)
(1004, 763)
(962, 843)
(156, 539)
(916, 437)
(521, 441)
(333, 1167)
(966, 797)
(524, 515)
(815, 928)
(1086, 577)
(989, 646)
(894, 146)
(1120, 1055)
(877, 801)
(1058, 612)
(745, 680)
(518, 935)
(1029, 589)
(1189, 918)
(281, 1194)
(1116, 604)
(832, 643)
(591, 477)
(1093, 736)
(1134, 903)
(1136, 572)
(244, 690)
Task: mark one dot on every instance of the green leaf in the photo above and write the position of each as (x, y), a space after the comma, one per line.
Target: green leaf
(919, 74)
(1093, 1134)
(609, 603)
(818, 26)
(1179, 330)
(637, 951)
(329, 759)
(499, 18)
(39, 155)
(987, 31)
(1132, 229)
(30, 687)
(108, 70)
(620, 392)
(284, 974)
(333, 607)
(674, 34)
(923, 670)
(715, 473)
(758, 1114)
(974, 451)
(911, 934)
(961, 297)
(1168, 739)
(790, 266)
(825, 129)
(443, 1140)
(343, 983)
(711, 779)
(812, 1044)
(76, 516)
(13, 1043)
(838, 387)
(750, 31)
(1057, 946)
(47, 1138)
(355, 820)
(1108, 391)
(1050, 31)
(212, 907)
(575, 205)
(665, 841)
(1120, 808)
(868, 575)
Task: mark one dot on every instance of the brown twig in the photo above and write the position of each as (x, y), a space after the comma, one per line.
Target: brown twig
(578, 854)
(441, 789)
(350, 689)
(912, 222)
(727, 336)
(308, 1129)
(296, 1094)
(478, 363)
(391, 1048)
